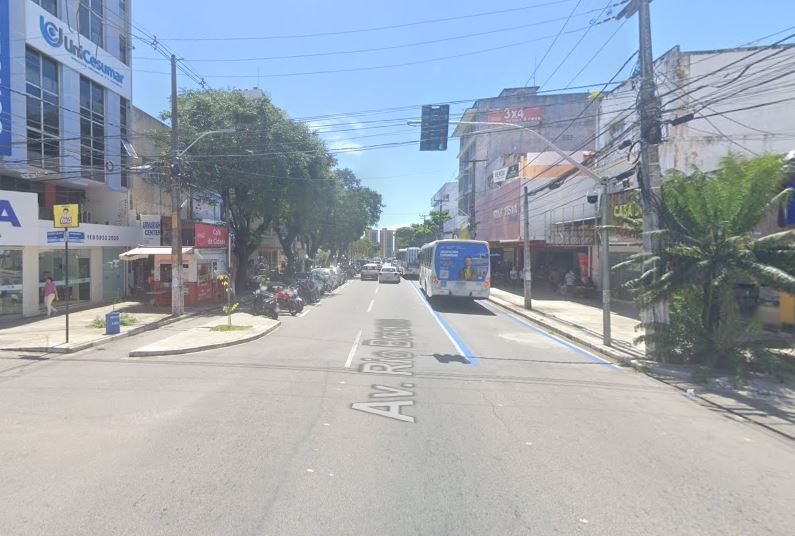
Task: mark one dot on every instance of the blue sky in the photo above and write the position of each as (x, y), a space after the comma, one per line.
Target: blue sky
(523, 32)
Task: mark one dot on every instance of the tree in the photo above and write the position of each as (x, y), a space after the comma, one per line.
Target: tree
(364, 249)
(247, 167)
(418, 234)
(709, 247)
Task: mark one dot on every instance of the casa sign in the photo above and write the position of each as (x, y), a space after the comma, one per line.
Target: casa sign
(59, 40)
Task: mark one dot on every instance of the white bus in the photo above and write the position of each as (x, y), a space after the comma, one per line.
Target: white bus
(408, 260)
(455, 268)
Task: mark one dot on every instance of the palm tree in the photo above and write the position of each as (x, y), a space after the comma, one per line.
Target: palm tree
(709, 246)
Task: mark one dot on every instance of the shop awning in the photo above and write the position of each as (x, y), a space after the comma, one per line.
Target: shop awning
(145, 251)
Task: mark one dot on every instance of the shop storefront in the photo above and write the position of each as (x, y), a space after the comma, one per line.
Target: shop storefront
(28, 255)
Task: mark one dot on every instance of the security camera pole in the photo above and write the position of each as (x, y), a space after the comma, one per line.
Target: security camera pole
(431, 139)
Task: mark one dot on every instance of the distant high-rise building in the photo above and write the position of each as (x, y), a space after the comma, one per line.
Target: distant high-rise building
(372, 236)
(387, 241)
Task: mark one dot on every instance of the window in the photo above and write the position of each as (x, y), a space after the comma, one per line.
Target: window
(89, 20)
(42, 113)
(124, 133)
(49, 5)
(124, 50)
(92, 129)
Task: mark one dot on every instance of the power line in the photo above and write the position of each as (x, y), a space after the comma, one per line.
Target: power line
(371, 29)
(552, 44)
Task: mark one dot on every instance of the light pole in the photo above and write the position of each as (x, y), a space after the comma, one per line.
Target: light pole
(605, 261)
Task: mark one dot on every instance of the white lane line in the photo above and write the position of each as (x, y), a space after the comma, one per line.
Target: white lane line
(376, 289)
(353, 349)
(370, 307)
(306, 311)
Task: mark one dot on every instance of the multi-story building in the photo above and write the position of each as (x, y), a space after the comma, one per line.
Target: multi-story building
(713, 102)
(373, 236)
(446, 200)
(387, 243)
(65, 92)
(495, 162)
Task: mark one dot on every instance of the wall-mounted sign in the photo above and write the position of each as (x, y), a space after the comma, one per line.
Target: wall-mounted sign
(210, 236)
(150, 223)
(5, 81)
(59, 40)
(514, 114)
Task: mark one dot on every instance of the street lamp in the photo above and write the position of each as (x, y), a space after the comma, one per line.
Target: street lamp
(177, 296)
(605, 262)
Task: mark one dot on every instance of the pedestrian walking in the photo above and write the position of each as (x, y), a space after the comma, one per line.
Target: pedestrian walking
(50, 295)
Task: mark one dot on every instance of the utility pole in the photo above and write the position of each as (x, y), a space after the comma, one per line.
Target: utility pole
(650, 179)
(604, 210)
(473, 223)
(528, 273)
(177, 298)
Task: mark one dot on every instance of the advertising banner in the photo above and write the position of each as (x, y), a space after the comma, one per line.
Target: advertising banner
(65, 216)
(19, 218)
(514, 114)
(499, 213)
(462, 261)
(54, 37)
(5, 81)
(150, 223)
(210, 236)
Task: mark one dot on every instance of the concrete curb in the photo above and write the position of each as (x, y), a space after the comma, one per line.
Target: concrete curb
(706, 396)
(259, 333)
(77, 347)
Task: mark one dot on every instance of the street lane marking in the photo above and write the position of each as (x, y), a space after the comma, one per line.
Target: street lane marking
(376, 289)
(558, 340)
(370, 307)
(457, 341)
(306, 311)
(353, 349)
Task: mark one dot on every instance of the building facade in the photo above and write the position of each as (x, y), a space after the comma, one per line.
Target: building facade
(497, 162)
(446, 200)
(386, 241)
(65, 93)
(735, 98)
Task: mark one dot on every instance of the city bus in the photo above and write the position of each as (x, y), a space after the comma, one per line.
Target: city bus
(408, 261)
(455, 268)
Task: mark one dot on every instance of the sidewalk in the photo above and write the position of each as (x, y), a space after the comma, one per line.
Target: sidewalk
(763, 400)
(579, 321)
(42, 334)
(198, 336)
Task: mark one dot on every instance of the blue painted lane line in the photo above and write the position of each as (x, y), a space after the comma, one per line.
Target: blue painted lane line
(454, 337)
(585, 353)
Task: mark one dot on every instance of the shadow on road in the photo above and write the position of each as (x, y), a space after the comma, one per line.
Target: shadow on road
(464, 306)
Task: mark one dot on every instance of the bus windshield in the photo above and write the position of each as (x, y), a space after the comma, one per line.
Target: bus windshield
(462, 261)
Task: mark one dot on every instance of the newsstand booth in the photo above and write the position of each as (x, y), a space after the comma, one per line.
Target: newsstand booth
(200, 268)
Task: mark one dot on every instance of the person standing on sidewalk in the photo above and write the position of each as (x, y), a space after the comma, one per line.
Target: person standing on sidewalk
(50, 295)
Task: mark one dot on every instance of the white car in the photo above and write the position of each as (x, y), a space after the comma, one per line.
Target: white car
(389, 274)
(369, 271)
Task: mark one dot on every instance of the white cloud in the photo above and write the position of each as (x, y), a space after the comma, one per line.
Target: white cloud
(338, 141)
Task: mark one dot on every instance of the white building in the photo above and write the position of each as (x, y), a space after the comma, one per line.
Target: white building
(740, 100)
(65, 99)
(446, 200)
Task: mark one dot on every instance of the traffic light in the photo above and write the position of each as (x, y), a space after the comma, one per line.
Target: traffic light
(433, 129)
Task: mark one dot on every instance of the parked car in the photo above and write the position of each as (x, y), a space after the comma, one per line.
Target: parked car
(369, 271)
(388, 274)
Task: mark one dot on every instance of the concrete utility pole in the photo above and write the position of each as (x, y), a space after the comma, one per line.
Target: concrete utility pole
(604, 210)
(177, 298)
(650, 179)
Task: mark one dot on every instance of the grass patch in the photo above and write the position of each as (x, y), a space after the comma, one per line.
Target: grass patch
(229, 328)
(126, 319)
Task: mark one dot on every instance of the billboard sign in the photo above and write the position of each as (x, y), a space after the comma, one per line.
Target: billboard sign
(66, 216)
(514, 114)
(150, 224)
(499, 213)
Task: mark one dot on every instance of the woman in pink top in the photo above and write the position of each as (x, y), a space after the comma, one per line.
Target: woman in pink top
(50, 294)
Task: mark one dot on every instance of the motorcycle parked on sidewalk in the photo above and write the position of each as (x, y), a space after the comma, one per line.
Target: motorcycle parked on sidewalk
(265, 303)
(288, 298)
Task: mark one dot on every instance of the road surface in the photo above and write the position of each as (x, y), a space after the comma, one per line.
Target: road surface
(374, 413)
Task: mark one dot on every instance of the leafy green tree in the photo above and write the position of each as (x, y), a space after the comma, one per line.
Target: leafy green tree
(710, 245)
(363, 248)
(417, 234)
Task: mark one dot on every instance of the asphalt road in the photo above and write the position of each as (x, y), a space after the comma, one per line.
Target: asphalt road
(376, 414)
